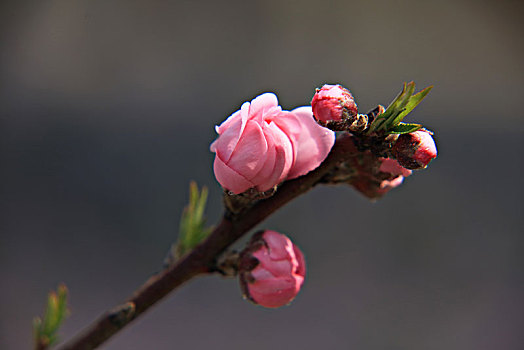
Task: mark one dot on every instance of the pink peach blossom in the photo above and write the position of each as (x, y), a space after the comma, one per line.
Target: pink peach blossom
(261, 145)
(271, 270)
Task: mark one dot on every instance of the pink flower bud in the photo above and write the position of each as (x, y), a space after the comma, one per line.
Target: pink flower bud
(415, 150)
(391, 166)
(271, 269)
(333, 103)
(261, 145)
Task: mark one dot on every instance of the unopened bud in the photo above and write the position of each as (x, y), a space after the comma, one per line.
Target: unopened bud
(415, 150)
(334, 106)
(271, 269)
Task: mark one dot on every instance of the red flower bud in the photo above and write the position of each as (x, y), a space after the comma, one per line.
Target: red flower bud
(271, 269)
(415, 150)
(332, 104)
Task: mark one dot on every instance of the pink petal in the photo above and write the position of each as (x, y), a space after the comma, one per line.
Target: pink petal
(262, 104)
(250, 152)
(278, 161)
(228, 122)
(285, 153)
(273, 285)
(275, 293)
(269, 174)
(312, 142)
(277, 268)
(229, 178)
(278, 245)
(227, 141)
(301, 262)
(391, 166)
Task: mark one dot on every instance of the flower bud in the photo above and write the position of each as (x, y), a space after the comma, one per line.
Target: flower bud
(333, 105)
(271, 269)
(415, 150)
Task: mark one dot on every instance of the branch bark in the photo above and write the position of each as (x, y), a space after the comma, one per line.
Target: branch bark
(202, 259)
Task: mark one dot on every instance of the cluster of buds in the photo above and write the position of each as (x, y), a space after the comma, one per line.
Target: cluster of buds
(271, 269)
(389, 149)
(374, 176)
(261, 145)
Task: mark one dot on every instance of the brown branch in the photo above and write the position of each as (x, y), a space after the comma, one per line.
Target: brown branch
(202, 259)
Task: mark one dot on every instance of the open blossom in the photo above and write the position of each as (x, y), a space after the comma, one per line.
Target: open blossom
(261, 145)
(415, 150)
(271, 269)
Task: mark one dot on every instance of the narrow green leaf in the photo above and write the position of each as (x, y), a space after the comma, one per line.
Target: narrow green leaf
(37, 328)
(404, 128)
(201, 204)
(412, 103)
(192, 222)
(62, 304)
(45, 330)
(51, 316)
(401, 106)
(392, 110)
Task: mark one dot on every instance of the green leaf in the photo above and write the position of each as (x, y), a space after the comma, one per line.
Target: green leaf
(411, 104)
(394, 108)
(404, 128)
(45, 331)
(192, 223)
(401, 106)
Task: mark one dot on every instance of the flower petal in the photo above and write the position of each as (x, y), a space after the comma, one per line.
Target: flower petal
(250, 153)
(229, 178)
(284, 154)
(275, 292)
(311, 141)
(278, 160)
(262, 104)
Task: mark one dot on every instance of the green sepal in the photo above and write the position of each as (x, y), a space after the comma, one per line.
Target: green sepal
(404, 128)
(45, 331)
(192, 223)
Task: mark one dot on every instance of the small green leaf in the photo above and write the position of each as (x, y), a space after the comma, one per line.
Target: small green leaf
(401, 106)
(404, 128)
(192, 223)
(412, 103)
(45, 331)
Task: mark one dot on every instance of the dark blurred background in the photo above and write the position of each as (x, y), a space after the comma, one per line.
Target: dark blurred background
(107, 110)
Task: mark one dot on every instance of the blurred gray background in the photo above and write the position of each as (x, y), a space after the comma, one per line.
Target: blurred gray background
(107, 110)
